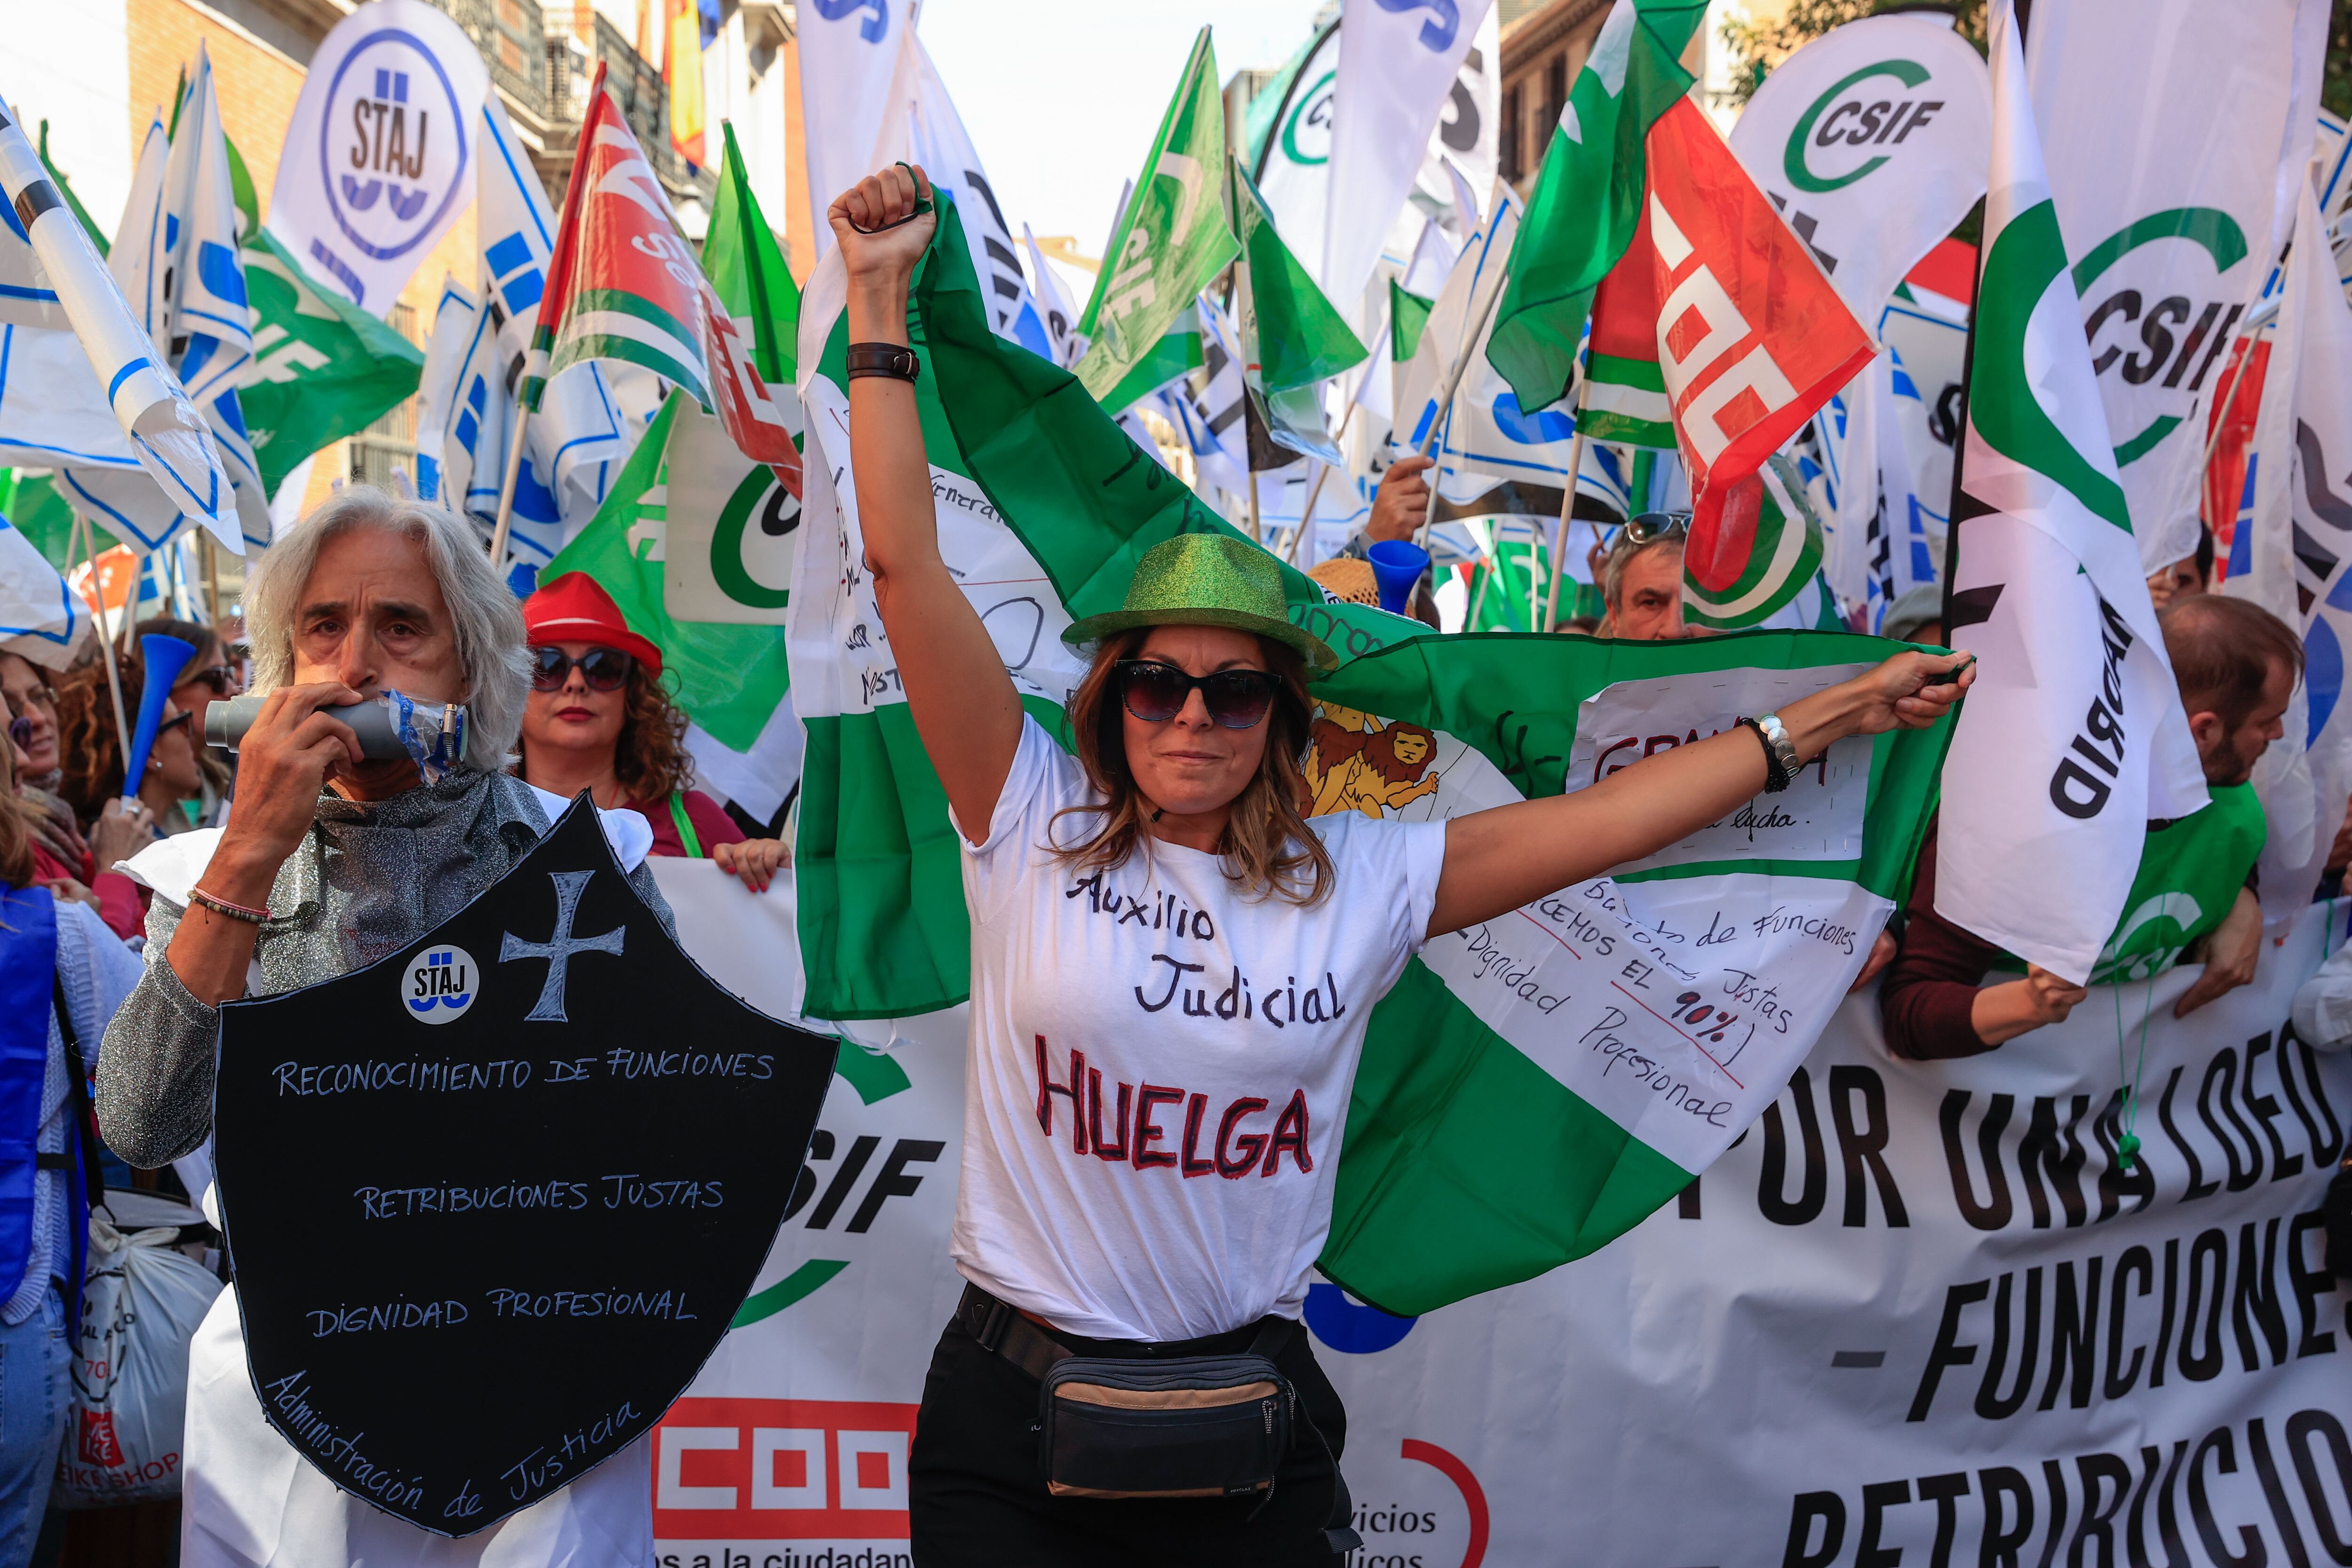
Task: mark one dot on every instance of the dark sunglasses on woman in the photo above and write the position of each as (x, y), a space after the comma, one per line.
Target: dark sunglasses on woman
(214, 676)
(603, 668)
(175, 721)
(1155, 692)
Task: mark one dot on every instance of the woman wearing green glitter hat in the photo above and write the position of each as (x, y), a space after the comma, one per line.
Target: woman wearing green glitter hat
(1171, 971)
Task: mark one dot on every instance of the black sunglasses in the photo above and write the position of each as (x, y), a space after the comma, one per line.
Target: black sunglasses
(1236, 698)
(603, 668)
(175, 721)
(214, 676)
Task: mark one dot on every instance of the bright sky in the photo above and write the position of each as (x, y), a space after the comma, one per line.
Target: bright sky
(1062, 97)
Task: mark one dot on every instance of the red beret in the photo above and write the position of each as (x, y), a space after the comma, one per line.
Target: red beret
(575, 608)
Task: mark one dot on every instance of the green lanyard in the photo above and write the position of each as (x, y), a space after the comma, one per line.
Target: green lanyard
(685, 829)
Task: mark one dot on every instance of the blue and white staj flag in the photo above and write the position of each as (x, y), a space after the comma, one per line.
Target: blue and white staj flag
(52, 279)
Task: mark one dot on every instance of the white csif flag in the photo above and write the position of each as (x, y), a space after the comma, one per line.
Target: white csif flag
(2167, 122)
(857, 81)
(1871, 141)
(379, 158)
(1399, 61)
(2073, 737)
(2299, 559)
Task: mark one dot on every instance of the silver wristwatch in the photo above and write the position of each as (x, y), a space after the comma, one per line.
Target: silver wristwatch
(1780, 750)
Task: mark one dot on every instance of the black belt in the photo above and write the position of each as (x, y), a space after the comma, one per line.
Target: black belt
(1000, 1329)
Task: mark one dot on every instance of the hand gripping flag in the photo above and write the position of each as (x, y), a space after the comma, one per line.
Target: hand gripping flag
(171, 438)
(623, 284)
(1532, 1087)
(2072, 736)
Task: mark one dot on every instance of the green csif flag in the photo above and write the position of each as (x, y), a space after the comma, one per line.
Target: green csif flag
(1408, 314)
(1178, 350)
(1532, 1087)
(1588, 200)
(1172, 237)
(728, 678)
(747, 271)
(1299, 337)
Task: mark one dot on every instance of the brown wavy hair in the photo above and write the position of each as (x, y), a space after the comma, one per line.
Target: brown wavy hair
(1266, 845)
(15, 822)
(649, 757)
(88, 751)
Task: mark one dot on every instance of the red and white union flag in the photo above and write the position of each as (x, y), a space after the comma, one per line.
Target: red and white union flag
(1753, 338)
(623, 284)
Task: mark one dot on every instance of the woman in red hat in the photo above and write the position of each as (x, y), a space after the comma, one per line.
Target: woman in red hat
(598, 720)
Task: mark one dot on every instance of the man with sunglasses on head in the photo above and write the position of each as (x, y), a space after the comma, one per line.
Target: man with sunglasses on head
(598, 719)
(1642, 578)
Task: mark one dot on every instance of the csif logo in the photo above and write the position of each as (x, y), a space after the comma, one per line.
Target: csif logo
(1857, 112)
(2183, 326)
(1307, 134)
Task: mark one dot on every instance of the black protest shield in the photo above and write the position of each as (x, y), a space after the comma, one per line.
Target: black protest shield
(493, 1200)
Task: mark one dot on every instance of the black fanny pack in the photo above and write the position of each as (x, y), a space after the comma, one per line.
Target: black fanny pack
(1162, 1427)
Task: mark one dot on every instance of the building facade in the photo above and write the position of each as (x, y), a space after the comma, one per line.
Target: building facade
(1545, 43)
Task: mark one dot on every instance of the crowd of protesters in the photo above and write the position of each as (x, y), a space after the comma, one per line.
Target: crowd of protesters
(569, 697)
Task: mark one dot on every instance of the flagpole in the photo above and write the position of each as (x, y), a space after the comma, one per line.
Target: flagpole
(514, 470)
(105, 651)
(1445, 403)
(1307, 516)
(211, 576)
(1566, 508)
(140, 566)
(1255, 533)
(1491, 553)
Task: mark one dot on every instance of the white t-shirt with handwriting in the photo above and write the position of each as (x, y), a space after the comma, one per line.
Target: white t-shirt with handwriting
(1160, 1066)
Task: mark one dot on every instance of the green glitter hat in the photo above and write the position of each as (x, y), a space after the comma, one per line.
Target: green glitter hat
(1208, 580)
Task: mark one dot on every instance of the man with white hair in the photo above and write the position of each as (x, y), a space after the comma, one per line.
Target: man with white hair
(330, 861)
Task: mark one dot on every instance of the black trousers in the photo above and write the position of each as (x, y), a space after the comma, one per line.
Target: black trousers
(977, 1497)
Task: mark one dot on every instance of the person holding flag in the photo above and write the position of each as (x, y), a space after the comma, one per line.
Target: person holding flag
(1168, 861)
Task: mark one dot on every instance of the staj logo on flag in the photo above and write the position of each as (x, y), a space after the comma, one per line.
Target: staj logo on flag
(391, 148)
(561, 1167)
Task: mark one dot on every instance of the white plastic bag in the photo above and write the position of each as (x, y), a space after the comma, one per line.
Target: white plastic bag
(141, 1303)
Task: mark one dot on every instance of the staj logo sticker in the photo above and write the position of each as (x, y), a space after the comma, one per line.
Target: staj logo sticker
(439, 984)
(391, 143)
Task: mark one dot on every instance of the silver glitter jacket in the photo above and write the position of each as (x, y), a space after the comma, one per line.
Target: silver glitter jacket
(370, 878)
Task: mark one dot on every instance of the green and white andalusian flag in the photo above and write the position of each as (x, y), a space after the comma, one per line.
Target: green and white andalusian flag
(2074, 736)
(1172, 239)
(1588, 200)
(1532, 1087)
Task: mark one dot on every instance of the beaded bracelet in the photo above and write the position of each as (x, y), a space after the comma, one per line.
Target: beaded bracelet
(223, 907)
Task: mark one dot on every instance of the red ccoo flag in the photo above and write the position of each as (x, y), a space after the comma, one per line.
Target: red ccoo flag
(1752, 337)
